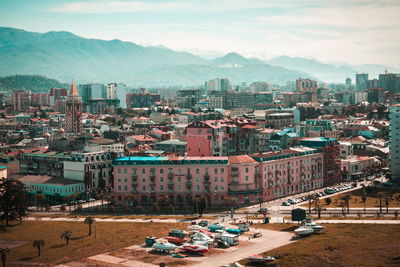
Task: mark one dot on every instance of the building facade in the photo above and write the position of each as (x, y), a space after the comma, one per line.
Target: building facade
(73, 122)
(394, 146)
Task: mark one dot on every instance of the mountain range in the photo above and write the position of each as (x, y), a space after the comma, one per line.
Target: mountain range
(65, 56)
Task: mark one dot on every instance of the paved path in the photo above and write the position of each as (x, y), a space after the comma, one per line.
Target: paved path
(116, 260)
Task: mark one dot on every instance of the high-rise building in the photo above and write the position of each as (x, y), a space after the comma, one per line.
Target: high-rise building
(117, 91)
(361, 81)
(348, 84)
(394, 146)
(390, 82)
(73, 123)
(57, 94)
(218, 84)
(21, 100)
(92, 90)
(308, 85)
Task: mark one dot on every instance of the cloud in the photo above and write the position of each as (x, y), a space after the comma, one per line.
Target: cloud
(116, 6)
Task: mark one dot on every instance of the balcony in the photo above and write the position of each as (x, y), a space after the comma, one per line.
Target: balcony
(134, 176)
(152, 176)
(152, 184)
(170, 176)
(235, 174)
(188, 183)
(134, 184)
(189, 191)
(188, 176)
(170, 186)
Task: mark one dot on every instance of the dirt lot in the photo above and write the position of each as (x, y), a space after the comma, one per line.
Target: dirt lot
(343, 245)
(105, 236)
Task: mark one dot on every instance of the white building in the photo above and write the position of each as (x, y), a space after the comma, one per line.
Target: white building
(394, 146)
(117, 90)
(93, 167)
(360, 96)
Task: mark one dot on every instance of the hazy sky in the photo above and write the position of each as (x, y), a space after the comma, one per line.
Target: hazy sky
(352, 31)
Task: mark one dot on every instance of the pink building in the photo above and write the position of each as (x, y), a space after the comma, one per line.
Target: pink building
(179, 178)
(245, 179)
(290, 171)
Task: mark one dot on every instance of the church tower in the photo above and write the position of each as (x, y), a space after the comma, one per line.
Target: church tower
(73, 122)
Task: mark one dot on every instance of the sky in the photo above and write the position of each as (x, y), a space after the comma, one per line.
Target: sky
(350, 31)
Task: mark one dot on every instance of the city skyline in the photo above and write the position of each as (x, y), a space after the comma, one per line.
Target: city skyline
(357, 32)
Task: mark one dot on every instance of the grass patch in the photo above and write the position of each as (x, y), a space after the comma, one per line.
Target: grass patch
(343, 245)
(109, 236)
(372, 200)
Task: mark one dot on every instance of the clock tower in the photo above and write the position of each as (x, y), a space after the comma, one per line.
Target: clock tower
(73, 121)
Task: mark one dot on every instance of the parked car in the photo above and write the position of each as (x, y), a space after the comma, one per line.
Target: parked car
(203, 223)
(291, 201)
(285, 203)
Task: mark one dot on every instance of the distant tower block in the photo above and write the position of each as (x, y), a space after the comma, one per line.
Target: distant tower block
(73, 123)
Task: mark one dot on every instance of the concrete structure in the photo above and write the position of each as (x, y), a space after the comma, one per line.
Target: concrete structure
(244, 179)
(360, 96)
(279, 120)
(92, 90)
(318, 128)
(218, 84)
(331, 151)
(21, 101)
(390, 82)
(173, 146)
(43, 163)
(361, 81)
(55, 189)
(354, 167)
(394, 146)
(308, 85)
(92, 167)
(141, 100)
(73, 123)
(117, 91)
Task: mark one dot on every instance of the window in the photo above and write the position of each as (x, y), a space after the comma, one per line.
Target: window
(216, 179)
(143, 180)
(179, 179)
(247, 170)
(179, 171)
(126, 188)
(125, 180)
(144, 188)
(180, 187)
(198, 179)
(125, 171)
(222, 170)
(161, 179)
(119, 188)
(161, 171)
(222, 179)
(216, 187)
(161, 187)
(198, 187)
(197, 171)
(143, 170)
(215, 170)
(247, 178)
(119, 170)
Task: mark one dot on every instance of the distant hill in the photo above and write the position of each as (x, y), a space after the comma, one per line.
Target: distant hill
(34, 83)
(65, 56)
(327, 72)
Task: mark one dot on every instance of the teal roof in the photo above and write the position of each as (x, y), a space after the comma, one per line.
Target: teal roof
(3, 167)
(140, 159)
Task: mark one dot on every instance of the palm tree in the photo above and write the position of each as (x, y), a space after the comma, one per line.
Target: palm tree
(89, 221)
(388, 198)
(66, 235)
(38, 244)
(346, 198)
(364, 200)
(380, 196)
(4, 252)
(310, 198)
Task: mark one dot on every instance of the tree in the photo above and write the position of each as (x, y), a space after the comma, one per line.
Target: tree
(380, 196)
(38, 244)
(66, 235)
(346, 198)
(199, 204)
(4, 252)
(13, 202)
(310, 198)
(89, 221)
(328, 201)
(319, 207)
(387, 199)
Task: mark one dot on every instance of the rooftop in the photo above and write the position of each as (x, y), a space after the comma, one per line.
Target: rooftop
(43, 179)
